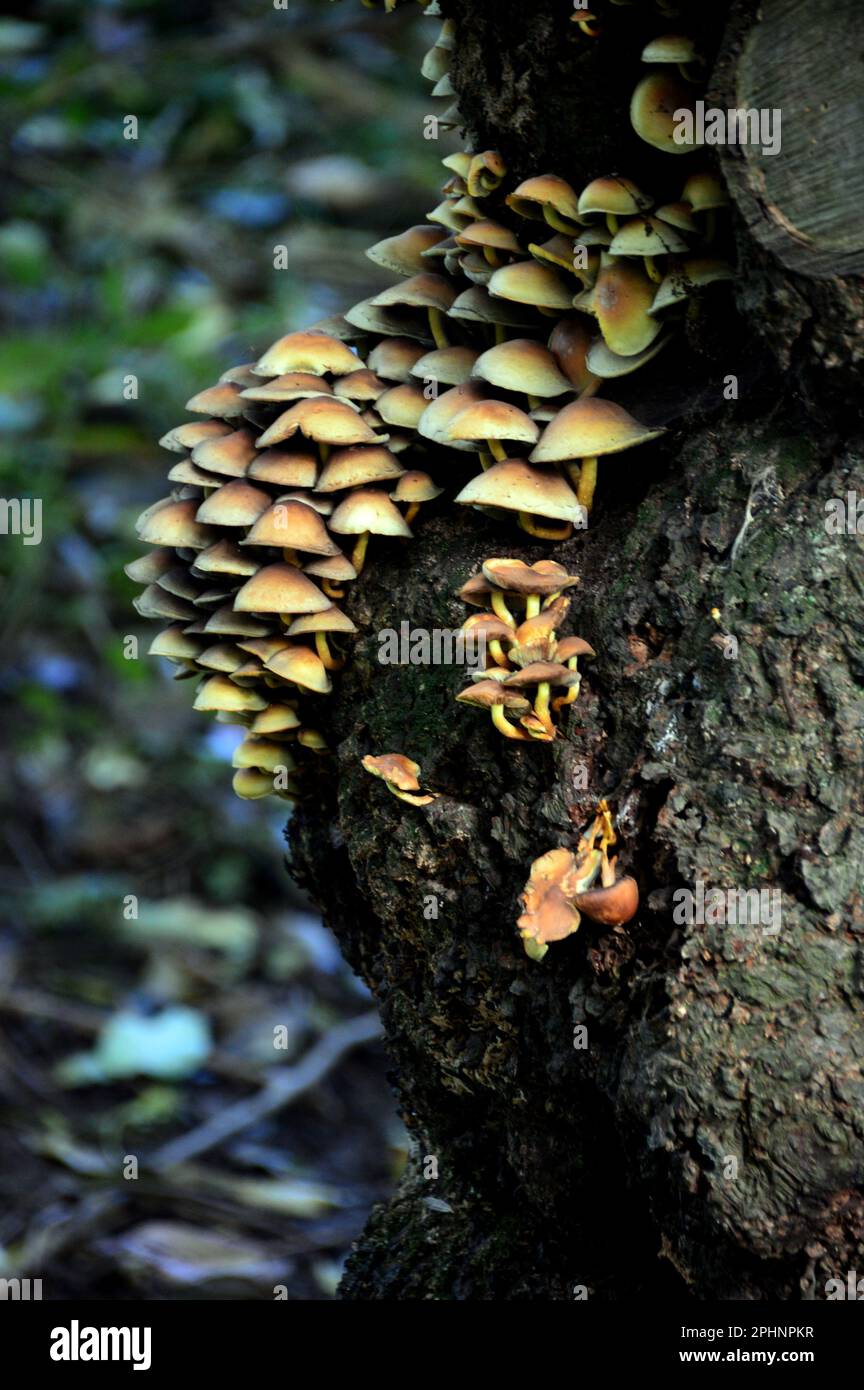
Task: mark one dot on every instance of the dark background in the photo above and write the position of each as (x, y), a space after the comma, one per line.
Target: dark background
(153, 257)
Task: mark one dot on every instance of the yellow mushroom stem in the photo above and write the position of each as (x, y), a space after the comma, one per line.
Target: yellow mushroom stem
(436, 327)
(358, 555)
(652, 270)
(324, 452)
(612, 222)
(411, 513)
(331, 589)
(572, 690)
(496, 449)
(545, 533)
(541, 705)
(492, 256)
(587, 28)
(486, 460)
(591, 389)
(290, 556)
(503, 725)
(496, 651)
(533, 402)
(587, 482)
(500, 334)
(499, 607)
(328, 660)
(532, 605)
(559, 223)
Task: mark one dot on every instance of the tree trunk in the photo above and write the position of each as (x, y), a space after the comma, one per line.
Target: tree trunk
(707, 1140)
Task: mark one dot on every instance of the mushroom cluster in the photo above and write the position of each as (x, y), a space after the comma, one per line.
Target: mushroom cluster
(291, 457)
(529, 659)
(565, 885)
(516, 308)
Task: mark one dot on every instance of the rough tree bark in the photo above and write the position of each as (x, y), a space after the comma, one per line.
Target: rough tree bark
(610, 1167)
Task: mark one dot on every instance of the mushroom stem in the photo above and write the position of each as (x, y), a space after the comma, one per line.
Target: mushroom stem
(324, 452)
(541, 706)
(592, 30)
(587, 482)
(358, 555)
(499, 607)
(503, 725)
(652, 270)
(497, 450)
(290, 556)
(411, 513)
(436, 327)
(500, 335)
(486, 460)
(331, 589)
(492, 256)
(328, 660)
(532, 605)
(612, 222)
(533, 401)
(544, 533)
(497, 652)
(591, 389)
(572, 690)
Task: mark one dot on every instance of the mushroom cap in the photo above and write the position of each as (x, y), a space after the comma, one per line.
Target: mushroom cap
(250, 783)
(404, 252)
(688, 277)
(220, 693)
(316, 353)
(553, 919)
(148, 568)
(393, 358)
(439, 413)
(424, 291)
(367, 509)
(295, 525)
(450, 366)
(647, 236)
(228, 623)
(489, 625)
(263, 647)
(324, 419)
(544, 190)
(613, 906)
(230, 454)
(357, 465)
(402, 405)
(187, 472)
(394, 768)
(653, 107)
(613, 193)
(568, 647)
(174, 524)
(336, 567)
(292, 386)
(487, 233)
(671, 48)
(280, 588)
(622, 297)
(284, 467)
(558, 250)
(515, 577)
(704, 191)
(476, 305)
(263, 753)
(275, 719)
(588, 428)
(193, 432)
(569, 342)
(175, 645)
(328, 620)
(233, 504)
(360, 386)
(221, 656)
(223, 400)
(678, 215)
(521, 364)
(416, 486)
(542, 672)
(301, 666)
(492, 419)
(399, 321)
(529, 282)
(517, 487)
(605, 363)
(486, 693)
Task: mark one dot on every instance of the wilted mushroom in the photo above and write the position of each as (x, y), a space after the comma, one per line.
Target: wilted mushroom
(400, 776)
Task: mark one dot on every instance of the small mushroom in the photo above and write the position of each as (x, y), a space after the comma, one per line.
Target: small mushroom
(534, 493)
(491, 695)
(548, 197)
(415, 488)
(329, 620)
(584, 430)
(400, 776)
(656, 107)
(364, 513)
